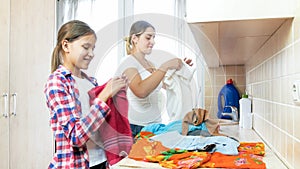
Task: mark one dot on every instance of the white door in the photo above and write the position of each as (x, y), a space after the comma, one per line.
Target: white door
(4, 83)
(30, 42)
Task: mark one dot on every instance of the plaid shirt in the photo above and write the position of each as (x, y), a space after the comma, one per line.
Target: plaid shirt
(71, 129)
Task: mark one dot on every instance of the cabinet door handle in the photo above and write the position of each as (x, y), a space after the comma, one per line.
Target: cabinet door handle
(5, 113)
(14, 96)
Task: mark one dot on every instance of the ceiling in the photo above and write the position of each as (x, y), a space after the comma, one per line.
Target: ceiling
(233, 42)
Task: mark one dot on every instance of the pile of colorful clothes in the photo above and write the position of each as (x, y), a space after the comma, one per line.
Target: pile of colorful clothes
(249, 155)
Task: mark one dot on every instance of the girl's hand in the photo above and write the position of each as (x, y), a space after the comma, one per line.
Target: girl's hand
(188, 61)
(112, 87)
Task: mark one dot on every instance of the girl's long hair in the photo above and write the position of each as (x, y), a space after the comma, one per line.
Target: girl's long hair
(69, 31)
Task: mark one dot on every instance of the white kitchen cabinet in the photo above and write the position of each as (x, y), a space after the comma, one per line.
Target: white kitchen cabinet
(26, 42)
(4, 84)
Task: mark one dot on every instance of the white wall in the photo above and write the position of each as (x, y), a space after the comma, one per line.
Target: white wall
(218, 10)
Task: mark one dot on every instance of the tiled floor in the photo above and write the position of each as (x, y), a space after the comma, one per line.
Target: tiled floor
(271, 160)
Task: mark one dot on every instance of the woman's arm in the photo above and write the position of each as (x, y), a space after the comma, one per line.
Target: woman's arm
(142, 88)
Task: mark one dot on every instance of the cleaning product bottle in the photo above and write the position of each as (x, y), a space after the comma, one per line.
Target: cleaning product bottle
(228, 96)
(245, 112)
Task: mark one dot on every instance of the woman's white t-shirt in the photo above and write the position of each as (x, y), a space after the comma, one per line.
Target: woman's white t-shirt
(141, 111)
(96, 153)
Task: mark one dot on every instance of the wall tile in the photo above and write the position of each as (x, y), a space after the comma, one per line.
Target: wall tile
(290, 150)
(217, 77)
(276, 142)
(296, 126)
(285, 90)
(271, 73)
(296, 154)
(208, 91)
(296, 56)
(289, 120)
(219, 71)
(220, 80)
(283, 148)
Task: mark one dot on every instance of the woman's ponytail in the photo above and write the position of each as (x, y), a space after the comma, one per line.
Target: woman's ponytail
(128, 45)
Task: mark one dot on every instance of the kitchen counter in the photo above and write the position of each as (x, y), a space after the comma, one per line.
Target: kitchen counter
(243, 135)
(249, 135)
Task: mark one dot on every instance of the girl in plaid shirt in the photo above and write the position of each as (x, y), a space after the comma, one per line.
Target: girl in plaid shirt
(72, 127)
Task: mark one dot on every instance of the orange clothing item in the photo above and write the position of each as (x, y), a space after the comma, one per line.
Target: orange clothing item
(144, 134)
(243, 160)
(187, 160)
(181, 159)
(257, 148)
(250, 156)
(144, 147)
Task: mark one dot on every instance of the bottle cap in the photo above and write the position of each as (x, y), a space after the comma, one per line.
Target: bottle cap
(244, 96)
(229, 81)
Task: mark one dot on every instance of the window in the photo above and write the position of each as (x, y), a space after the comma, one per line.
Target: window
(96, 13)
(154, 6)
(161, 15)
(173, 37)
(112, 20)
(102, 16)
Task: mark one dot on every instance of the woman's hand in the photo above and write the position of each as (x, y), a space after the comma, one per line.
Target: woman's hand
(112, 87)
(175, 63)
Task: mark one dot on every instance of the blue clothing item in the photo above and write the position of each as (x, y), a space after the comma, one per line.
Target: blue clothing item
(224, 144)
(135, 129)
(158, 128)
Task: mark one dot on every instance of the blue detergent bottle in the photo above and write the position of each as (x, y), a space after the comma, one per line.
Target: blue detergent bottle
(228, 96)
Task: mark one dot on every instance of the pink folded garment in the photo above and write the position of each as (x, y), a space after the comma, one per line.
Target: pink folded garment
(115, 132)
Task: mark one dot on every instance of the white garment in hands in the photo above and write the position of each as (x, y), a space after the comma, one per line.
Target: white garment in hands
(179, 92)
